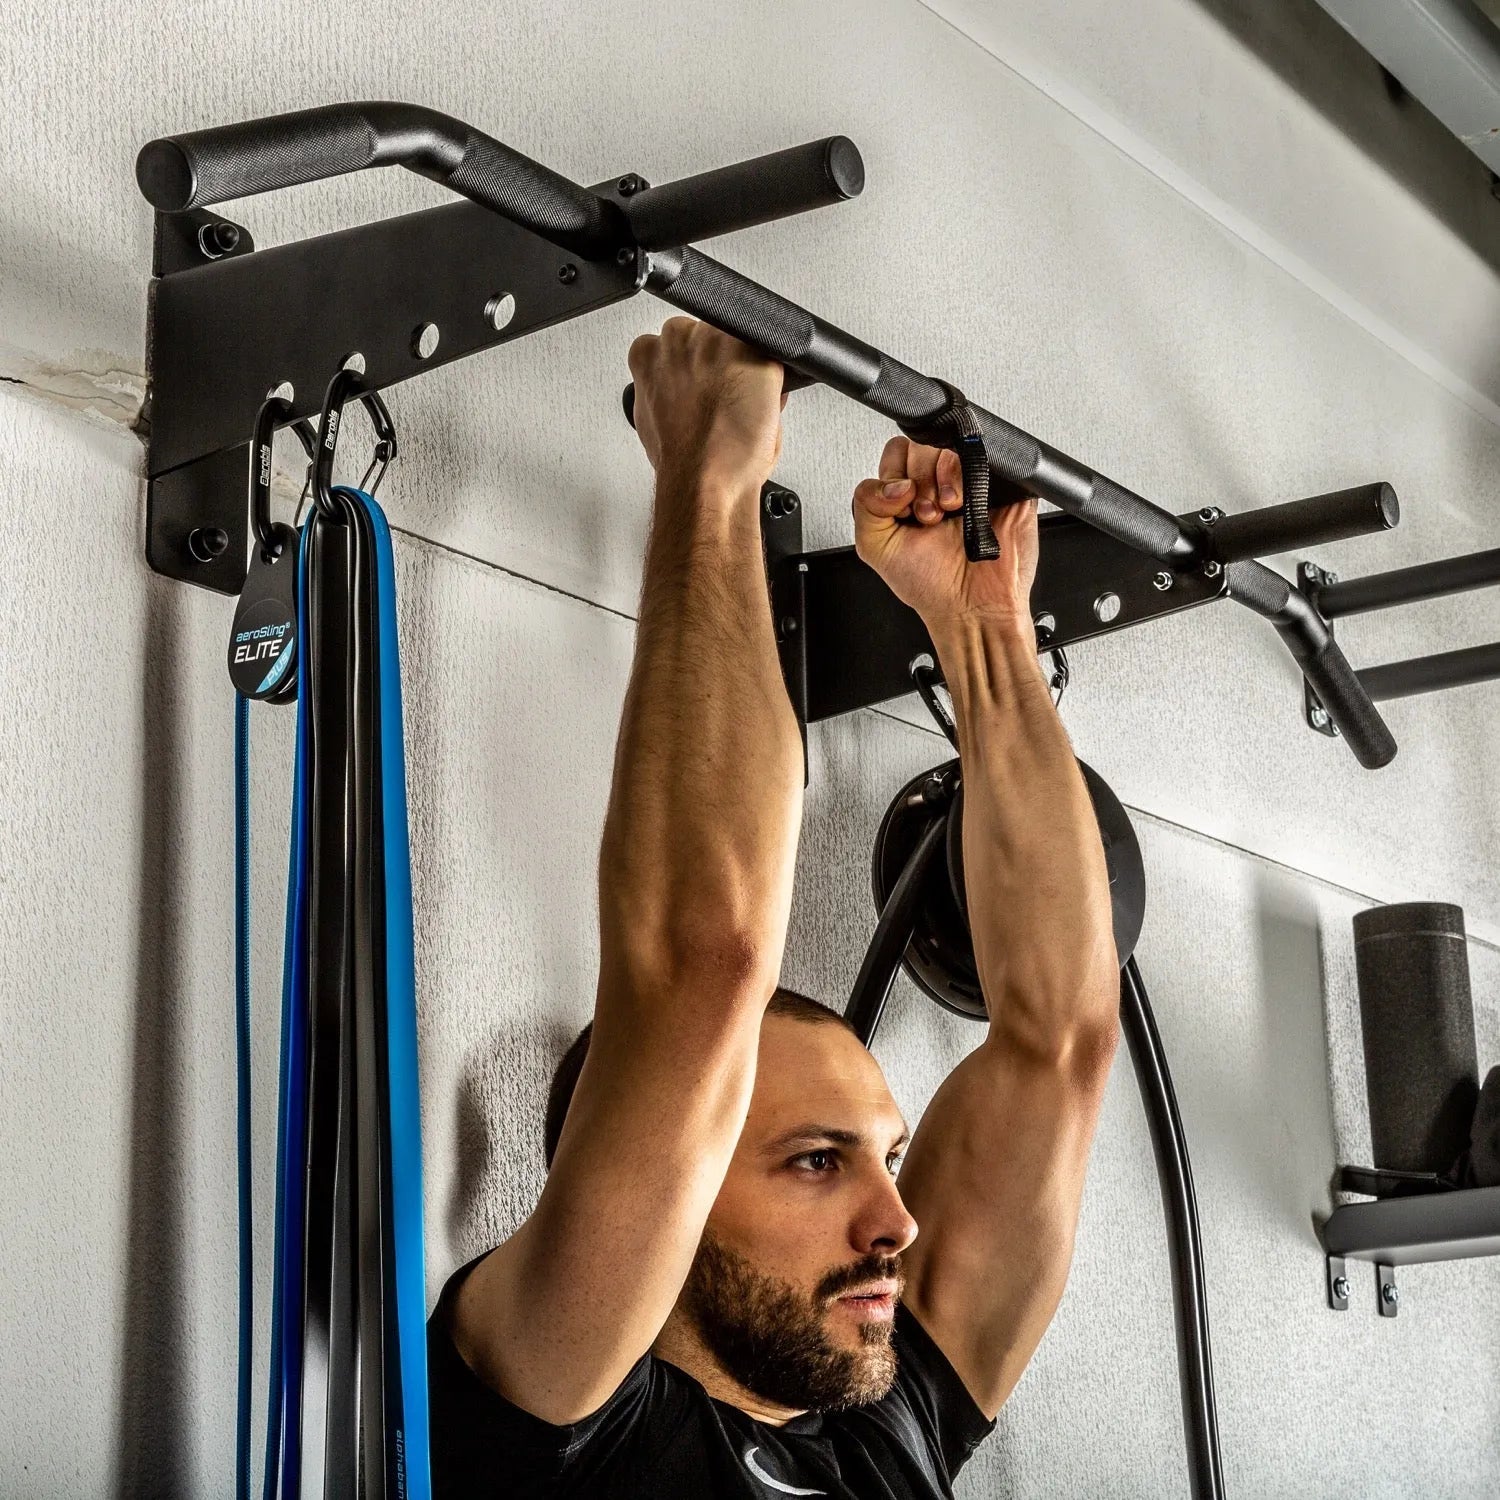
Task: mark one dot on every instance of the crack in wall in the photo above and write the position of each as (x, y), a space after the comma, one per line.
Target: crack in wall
(94, 383)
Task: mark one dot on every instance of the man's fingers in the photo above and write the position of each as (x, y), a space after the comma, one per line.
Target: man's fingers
(870, 496)
(893, 458)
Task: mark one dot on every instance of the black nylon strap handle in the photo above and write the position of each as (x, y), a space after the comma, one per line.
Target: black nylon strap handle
(956, 427)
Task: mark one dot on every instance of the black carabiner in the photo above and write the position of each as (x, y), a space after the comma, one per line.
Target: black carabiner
(346, 383)
(274, 412)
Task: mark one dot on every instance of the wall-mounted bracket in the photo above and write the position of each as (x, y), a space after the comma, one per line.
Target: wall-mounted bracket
(781, 549)
(847, 641)
(1423, 674)
(1413, 1229)
(226, 326)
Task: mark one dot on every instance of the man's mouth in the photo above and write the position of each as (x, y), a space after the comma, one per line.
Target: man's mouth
(876, 1292)
(873, 1302)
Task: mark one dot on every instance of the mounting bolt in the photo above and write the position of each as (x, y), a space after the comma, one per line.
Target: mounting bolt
(207, 542)
(567, 274)
(1341, 1288)
(217, 239)
(1209, 514)
(628, 185)
(1319, 715)
(788, 624)
(1162, 580)
(1390, 1294)
(625, 256)
(1212, 569)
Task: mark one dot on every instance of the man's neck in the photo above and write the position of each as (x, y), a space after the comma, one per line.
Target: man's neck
(679, 1345)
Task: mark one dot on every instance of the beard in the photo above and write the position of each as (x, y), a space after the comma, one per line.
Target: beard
(772, 1337)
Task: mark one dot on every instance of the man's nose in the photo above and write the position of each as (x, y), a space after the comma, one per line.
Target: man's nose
(883, 1227)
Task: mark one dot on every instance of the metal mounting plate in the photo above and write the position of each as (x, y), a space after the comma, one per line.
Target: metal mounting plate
(1311, 578)
(859, 638)
(781, 550)
(224, 332)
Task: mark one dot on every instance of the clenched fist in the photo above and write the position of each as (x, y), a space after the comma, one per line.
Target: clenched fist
(924, 564)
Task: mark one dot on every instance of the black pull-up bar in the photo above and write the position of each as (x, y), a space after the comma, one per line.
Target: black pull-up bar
(181, 173)
(1434, 580)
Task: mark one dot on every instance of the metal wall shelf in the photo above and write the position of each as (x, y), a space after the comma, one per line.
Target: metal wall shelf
(1453, 1225)
(1425, 1227)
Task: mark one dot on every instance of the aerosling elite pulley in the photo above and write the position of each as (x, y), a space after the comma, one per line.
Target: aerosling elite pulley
(347, 1412)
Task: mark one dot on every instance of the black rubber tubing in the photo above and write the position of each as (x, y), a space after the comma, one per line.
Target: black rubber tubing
(1184, 1242)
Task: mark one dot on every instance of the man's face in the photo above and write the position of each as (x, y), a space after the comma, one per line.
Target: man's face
(794, 1287)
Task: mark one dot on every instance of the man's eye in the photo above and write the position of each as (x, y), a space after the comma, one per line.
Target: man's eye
(893, 1163)
(816, 1161)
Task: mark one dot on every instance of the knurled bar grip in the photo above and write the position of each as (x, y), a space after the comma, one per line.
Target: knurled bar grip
(1323, 664)
(797, 338)
(1305, 523)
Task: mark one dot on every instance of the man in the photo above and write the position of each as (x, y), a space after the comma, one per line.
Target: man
(723, 1290)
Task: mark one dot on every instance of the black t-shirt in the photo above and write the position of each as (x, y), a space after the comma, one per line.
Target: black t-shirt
(661, 1436)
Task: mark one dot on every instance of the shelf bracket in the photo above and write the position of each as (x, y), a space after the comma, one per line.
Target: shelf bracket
(1338, 1283)
(1390, 1293)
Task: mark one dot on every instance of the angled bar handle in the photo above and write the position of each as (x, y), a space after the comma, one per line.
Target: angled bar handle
(203, 167)
(1323, 664)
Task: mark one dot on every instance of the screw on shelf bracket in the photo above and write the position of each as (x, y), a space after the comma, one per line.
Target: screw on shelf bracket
(1390, 1294)
(1338, 1283)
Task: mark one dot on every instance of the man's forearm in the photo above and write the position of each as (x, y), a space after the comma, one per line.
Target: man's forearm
(1037, 886)
(700, 837)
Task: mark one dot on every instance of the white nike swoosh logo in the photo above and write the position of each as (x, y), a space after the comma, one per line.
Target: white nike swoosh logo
(776, 1484)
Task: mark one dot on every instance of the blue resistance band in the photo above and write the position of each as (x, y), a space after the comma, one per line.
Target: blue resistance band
(283, 1434)
(401, 1026)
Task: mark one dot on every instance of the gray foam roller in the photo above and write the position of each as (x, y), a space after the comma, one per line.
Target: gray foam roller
(1421, 1066)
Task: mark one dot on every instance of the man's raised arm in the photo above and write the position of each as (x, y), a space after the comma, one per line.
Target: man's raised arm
(994, 1174)
(695, 884)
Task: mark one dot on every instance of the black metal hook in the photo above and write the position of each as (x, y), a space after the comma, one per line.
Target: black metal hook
(348, 382)
(275, 411)
(924, 674)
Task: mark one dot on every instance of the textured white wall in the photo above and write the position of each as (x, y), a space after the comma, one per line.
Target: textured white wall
(1156, 244)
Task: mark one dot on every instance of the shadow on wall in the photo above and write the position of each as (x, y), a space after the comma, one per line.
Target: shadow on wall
(1296, 1146)
(154, 1421)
